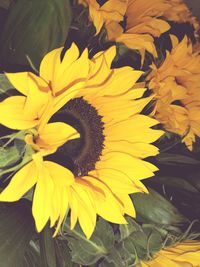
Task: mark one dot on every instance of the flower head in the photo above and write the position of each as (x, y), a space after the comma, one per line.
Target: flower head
(186, 253)
(176, 86)
(88, 145)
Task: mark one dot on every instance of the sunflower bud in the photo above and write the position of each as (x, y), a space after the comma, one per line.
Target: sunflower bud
(32, 29)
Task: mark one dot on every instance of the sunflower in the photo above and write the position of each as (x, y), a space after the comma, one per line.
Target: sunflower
(95, 173)
(176, 86)
(186, 253)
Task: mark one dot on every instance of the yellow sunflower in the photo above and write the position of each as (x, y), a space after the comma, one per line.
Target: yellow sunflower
(176, 86)
(185, 254)
(94, 174)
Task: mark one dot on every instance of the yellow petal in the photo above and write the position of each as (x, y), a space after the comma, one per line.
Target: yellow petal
(138, 150)
(128, 205)
(20, 183)
(116, 180)
(55, 134)
(133, 167)
(19, 81)
(60, 175)
(109, 207)
(37, 97)
(13, 115)
(73, 203)
(132, 128)
(86, 210)
(72, 70)
(63, 209)
(42, 200)
(56, 205)
(50, 64)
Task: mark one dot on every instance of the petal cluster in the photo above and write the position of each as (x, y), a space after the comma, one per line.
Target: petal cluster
(176, 86)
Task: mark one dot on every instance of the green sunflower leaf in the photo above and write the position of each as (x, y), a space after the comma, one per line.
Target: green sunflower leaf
(178, 183)
(9, 156)
(176, 159)
(32, 256)
(47, 248)
(32, 29)
(88, 252)
(16, 230)
(5, 84)
(155, 209)
(63, 253)
(135, 242)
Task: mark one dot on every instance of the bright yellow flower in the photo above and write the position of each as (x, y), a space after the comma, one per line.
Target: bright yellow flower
(176, 86)
(185, 254)
(94, 174)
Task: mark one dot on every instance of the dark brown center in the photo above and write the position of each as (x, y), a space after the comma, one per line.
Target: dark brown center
(80, 155)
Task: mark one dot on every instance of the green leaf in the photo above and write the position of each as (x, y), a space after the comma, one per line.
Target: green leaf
(5, 85)
(27, 156)
(63, 255)
(176, 159)
(16, 231)
(88, 252)
(9, 156)
(47, 248)
(32, 255)
(153, 208)
(178, 183)
(32, 29)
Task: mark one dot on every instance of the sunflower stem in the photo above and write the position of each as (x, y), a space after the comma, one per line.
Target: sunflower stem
(47, 248)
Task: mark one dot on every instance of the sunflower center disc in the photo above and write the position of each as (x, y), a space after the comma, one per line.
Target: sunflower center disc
(80, 155)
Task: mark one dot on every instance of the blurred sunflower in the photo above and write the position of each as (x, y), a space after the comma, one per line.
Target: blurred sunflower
(176, 86)
(91, 175)
(186, 253)
(136, 22)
